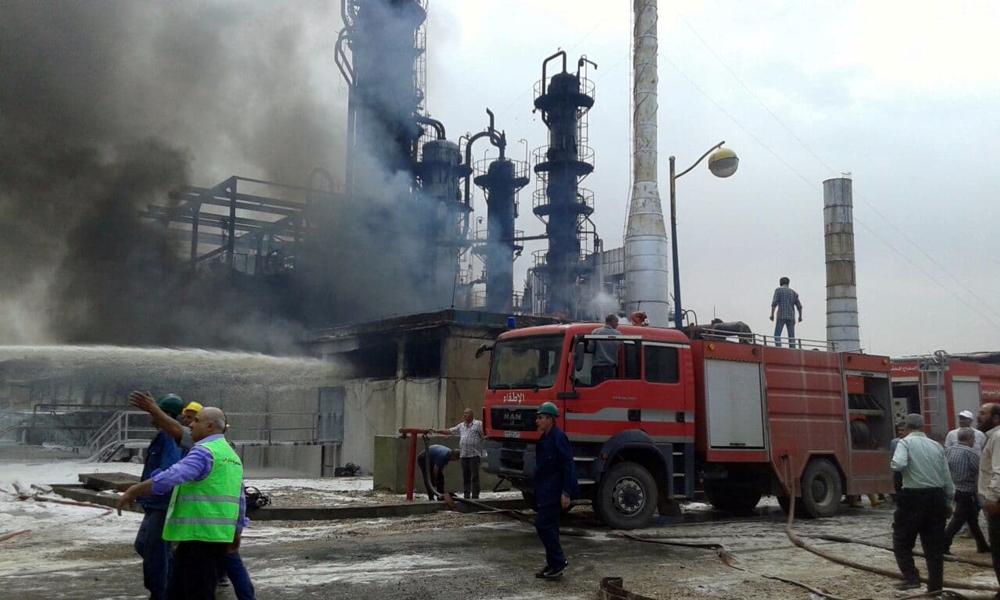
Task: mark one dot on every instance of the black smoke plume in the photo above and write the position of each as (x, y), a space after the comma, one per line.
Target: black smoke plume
(106, 106)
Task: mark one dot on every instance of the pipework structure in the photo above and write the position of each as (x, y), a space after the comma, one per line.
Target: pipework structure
(439, 171)
(500, 179)
(842, 326)
(646, 279)
(381, 55)
(559, 201)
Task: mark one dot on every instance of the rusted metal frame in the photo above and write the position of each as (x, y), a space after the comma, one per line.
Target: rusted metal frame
(612, 589)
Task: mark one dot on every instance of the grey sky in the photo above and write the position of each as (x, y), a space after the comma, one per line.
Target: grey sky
(900, 94)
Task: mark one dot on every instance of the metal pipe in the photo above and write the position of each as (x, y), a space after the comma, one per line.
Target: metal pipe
(678, 310)
(495, 139)
(231, 242)
(545, 64)
(195, 214)
(437, 125)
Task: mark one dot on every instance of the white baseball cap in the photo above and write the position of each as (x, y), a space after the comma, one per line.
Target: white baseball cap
(965, 414)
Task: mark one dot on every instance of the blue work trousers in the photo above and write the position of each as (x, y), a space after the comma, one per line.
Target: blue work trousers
(238, 576)
(547, 526)
(155, 553)
(789, 326)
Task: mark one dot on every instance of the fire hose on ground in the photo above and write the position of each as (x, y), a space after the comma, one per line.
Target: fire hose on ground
(986, 587)
(610, 584)
(37, 497)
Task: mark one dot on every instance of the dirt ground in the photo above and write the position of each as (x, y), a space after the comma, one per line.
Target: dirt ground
(85, 553)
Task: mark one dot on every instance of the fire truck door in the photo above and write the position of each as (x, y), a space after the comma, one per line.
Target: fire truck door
(965, 395)
(734, 399)
(611, 405)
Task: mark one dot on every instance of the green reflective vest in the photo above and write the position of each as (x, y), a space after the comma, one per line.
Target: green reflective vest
(208, 510)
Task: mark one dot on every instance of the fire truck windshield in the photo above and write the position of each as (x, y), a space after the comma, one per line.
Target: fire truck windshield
(526, 363)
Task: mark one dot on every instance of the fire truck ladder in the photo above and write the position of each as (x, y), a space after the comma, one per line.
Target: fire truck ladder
(932, 395)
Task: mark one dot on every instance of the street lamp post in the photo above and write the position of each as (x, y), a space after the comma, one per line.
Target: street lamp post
(722, 163)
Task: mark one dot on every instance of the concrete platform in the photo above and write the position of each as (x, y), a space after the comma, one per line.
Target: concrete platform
(313, 513)
(118, 482)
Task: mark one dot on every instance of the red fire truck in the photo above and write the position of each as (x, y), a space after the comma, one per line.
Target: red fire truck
(734, 417)
(941, 385)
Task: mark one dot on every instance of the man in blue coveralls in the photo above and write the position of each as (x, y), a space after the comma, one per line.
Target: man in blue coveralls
(555, 485)
(161, 454)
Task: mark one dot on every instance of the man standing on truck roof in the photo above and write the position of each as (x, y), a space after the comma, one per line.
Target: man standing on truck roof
(923, 506)
(785, 300)
(555, 485)
(989, 478)
(606, 351)
(470, 443)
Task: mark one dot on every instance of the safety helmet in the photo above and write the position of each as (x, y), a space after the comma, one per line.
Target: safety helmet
(549, 409)
(171, 404)
(193, 407)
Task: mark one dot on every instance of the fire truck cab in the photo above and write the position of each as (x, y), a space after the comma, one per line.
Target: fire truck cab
(733, 417)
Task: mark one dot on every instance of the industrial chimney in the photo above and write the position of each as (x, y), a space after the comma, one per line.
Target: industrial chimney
(645, 234)
(841, 287)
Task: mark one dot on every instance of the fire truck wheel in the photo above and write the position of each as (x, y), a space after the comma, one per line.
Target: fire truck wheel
(821, 489)
(732, 498)
(626, 497)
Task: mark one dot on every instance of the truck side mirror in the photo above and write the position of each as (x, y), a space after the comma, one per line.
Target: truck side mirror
(578, 355)
(483, 349)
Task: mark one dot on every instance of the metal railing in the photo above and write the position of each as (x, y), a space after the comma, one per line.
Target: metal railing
(245, 428)
(709, 334)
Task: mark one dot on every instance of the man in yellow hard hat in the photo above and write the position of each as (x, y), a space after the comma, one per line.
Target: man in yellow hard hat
(189, 412)
(207, 509)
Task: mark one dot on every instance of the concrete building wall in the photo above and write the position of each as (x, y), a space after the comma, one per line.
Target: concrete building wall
(376, 407)
(465, 376)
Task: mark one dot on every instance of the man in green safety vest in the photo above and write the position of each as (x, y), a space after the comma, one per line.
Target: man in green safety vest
(207, 509)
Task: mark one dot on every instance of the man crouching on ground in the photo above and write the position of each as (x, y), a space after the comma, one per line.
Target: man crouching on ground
(555, 485)
(206, 510)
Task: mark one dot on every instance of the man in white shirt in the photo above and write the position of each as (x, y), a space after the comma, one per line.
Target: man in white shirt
(470, 443)
(965, 420)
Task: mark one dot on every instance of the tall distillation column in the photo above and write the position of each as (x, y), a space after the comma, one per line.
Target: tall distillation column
(842, 328)
(501, 182)
(563, 101)
(446, 221)
(646, 280)
(380, 53)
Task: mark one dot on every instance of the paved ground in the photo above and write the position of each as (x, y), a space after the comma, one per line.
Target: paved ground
(75, 552)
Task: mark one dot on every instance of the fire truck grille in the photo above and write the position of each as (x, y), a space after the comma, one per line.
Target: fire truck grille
(513, 419)
(512, 459)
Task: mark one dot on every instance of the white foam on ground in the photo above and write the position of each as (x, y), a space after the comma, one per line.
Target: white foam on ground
(386, 569)
(54, 527)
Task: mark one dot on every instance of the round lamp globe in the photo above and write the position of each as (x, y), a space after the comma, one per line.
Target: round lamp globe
(723, 163)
